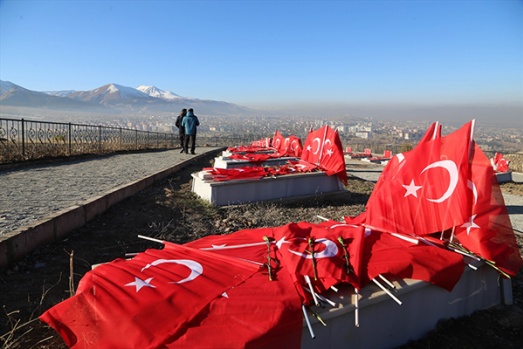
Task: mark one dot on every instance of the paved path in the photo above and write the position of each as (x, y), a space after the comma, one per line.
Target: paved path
(29, 194)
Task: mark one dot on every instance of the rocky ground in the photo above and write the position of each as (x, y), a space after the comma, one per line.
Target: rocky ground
(170, 211)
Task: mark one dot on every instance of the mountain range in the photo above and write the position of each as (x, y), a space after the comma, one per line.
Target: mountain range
(113, 99)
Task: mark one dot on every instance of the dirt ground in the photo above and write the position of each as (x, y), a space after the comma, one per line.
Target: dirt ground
(170, 211)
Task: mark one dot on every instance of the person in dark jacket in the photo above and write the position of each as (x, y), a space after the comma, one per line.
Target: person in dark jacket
(181, 130)
(190, 122)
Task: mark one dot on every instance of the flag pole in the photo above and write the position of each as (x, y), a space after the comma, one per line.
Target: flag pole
(151, 239)
(387, 291)
(356, 308)
(307, 321)
(308, 281)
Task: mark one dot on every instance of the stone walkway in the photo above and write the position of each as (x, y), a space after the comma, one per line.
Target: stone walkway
(29, 194)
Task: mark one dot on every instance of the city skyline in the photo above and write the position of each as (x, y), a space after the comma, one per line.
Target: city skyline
(375, 58)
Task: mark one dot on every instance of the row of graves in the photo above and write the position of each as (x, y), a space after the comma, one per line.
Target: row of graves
(435, 241)
(275, 169)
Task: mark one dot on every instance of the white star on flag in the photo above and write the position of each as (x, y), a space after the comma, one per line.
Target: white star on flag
(412, 189)
(139, 283)
(469, 225)
(309, 148)
(330, 152)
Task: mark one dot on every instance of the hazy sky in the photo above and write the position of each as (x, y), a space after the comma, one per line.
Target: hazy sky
(256, 53)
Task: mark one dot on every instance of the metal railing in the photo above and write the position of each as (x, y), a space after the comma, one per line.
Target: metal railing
(22, 139)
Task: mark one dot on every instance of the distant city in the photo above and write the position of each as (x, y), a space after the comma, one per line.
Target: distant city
(353, 131)
(148, 108)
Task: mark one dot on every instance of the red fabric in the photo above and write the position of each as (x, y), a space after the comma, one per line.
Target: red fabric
(294, 252)
(295, 147)
(489, 232)
(247, 172)
(499, 163)
(146, 302)
(264, 143)
(425, 190)
(260, 313)
(323, 148)
(278, 141)
(255, 158)
(246, 149)
(432, 133)
(386, 254)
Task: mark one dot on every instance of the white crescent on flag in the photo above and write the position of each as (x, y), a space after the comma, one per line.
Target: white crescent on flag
(330, 250)
(452, 169)
(195, 267)
(319, 143)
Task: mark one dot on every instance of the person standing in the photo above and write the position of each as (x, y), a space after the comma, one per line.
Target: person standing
(181, 130)
(190, 122)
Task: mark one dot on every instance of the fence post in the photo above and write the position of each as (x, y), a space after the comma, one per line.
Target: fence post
(100, 139)
(136, 140)
(70, 138)
(23, 138)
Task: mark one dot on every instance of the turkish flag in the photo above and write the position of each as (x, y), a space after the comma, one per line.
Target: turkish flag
(432, 133)
(388, 255)
(396, 162)
(278, 141)
(264, 142)
(257, 315)
(246, 172)
(295, 147)
(315, 250)
(323, 148)
(425, 190)
(246, 244)
(489, 232)
(146, 302)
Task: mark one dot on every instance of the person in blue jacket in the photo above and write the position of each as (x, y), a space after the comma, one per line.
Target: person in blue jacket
(190, 122)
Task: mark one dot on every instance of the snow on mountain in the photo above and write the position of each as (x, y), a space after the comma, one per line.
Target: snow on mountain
(114, 98)
(153, 91)
(110, 94)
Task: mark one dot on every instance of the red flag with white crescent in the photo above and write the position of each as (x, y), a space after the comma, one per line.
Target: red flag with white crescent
(425, 190)
(489, 232)
(146, 302)
(323, 147)
(316, 250)
(389, 255)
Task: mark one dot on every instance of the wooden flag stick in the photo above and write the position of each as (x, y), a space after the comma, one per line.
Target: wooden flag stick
(387, 291)
(307, 321)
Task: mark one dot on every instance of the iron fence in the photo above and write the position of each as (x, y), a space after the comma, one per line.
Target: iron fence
(22, 139)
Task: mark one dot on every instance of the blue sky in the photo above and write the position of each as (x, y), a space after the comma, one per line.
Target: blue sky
(273, 53)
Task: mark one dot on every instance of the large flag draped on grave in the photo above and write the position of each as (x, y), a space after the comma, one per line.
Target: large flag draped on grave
(385, 254)
(489, 232)
(146, 302)
(323, 148)
(426, 191)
